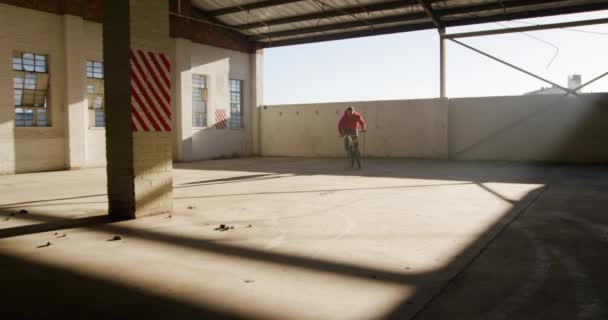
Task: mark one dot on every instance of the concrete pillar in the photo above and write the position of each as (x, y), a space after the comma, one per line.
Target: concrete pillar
(75, 75)
(442, 66)
(136, 48)
(257, 100)
(183, 100)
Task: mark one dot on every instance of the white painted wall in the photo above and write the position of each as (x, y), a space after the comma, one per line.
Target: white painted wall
(497, 128)
(71, 142)
(520, 128)
(218, 66)
(96, 137)
(403, 128)
(530, 128)
(32, 149)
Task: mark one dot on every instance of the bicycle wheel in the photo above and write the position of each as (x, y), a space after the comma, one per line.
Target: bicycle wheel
(353, 156)
(356, 155)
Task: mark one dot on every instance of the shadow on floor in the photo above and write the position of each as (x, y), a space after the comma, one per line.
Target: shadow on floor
(31, 290)
(464, 171)
(575, 192)
(50, 277)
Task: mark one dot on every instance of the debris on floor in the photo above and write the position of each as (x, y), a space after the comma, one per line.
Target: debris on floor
(191, 207)
(223, 227)
(115, 238)
(23, 211)
(62, 236)
(248, 281)
(48, 244)
(249, 226)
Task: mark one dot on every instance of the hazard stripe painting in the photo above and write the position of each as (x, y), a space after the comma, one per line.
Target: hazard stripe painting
(221, 120)
(150, 91)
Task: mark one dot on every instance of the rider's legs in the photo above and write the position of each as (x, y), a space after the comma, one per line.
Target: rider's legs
(347, 143)
(350, 137)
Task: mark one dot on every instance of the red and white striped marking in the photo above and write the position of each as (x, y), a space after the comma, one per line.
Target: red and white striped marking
(221, 120)
(150, 91)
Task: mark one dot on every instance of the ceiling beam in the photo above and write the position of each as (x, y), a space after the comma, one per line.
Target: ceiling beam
(391, 6)
(528, 28)
(249, 6)
(198, 26)
(351, 34)
(392, 19)
(580, 8)
(330, 14)
(341, 26)
(204, 15)
(448, 23)
(431, 13)
(505, 4)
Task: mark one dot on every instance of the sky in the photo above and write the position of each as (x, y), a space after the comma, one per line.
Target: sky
(406, 65)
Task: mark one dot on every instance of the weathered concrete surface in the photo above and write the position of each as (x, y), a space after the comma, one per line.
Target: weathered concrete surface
(549, 128)
(530, 128)
(402, 128)
(325, 242)
(549, 264)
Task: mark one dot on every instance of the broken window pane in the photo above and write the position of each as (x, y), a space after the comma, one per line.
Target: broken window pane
(30, 89)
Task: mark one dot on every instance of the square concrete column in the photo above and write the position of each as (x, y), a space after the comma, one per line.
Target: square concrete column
(257, 100)
(75, 75)
(137, 64)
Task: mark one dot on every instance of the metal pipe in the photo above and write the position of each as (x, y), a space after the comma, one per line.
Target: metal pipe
(525, 29)
(516, 67)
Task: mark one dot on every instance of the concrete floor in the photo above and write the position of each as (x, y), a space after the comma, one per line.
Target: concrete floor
(313, 239)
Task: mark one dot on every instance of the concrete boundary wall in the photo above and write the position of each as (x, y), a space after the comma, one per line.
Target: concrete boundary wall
(530, 128)
(519, 128)
(406, 128)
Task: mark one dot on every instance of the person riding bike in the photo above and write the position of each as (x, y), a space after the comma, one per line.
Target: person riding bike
(348, 127)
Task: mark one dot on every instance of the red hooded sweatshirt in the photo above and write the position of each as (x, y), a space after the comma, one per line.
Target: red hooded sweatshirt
(350, 123)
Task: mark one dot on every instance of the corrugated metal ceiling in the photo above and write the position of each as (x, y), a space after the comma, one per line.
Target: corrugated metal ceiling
(276, 22)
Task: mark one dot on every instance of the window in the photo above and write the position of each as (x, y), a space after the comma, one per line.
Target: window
(236, 103)
(30, 89)
(95, 94)
(94, 70)
(199, 101)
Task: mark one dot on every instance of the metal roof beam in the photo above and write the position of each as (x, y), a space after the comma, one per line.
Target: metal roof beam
(351, 34)
(391, 6)
(341, 26)
(447, 22)
(331, 13)
(431, 13)
(506, 4)
(528, 14)
(515, 67)
(250, 6)
(383, 20)
(528, 28)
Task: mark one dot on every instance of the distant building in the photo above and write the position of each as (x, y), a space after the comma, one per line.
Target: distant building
(574, 81)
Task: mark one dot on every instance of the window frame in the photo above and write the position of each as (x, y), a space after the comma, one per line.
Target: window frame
(31, 73)
(94, 69)
(241, 103)
(204, 99)
(95, 78)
